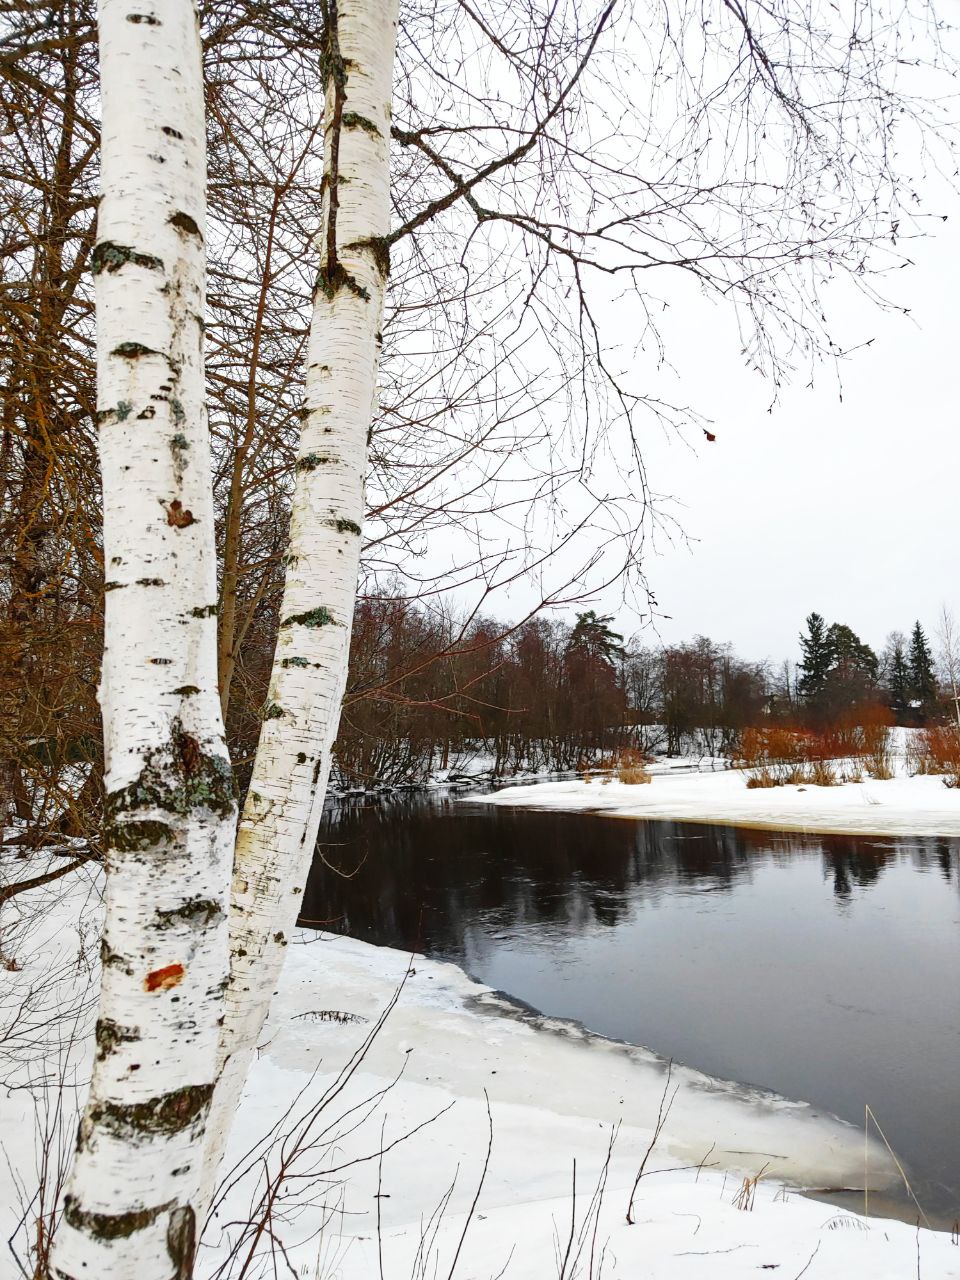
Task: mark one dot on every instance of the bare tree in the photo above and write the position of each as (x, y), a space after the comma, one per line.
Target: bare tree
(949, 638)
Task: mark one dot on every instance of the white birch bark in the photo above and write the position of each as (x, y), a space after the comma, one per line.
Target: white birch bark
(129, 1211)
(278, 829)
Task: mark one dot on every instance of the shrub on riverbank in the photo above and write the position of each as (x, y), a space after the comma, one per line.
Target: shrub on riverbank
(777, 756)
(936, 750)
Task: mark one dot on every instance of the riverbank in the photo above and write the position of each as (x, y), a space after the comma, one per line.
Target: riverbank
(901, 805)
(556, 1096)
(383, 1125)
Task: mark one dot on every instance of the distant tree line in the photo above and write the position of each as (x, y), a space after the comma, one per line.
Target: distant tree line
(427, 690)
(839, 674)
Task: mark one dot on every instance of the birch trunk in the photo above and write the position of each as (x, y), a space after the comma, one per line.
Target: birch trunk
(278, 829)
(129, 1211)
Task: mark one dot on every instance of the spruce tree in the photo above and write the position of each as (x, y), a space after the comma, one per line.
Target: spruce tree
(817, 659)
(897, 672)
(923, 683)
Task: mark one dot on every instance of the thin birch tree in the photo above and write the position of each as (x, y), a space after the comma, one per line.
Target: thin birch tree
(281, 817)
(129, 1210)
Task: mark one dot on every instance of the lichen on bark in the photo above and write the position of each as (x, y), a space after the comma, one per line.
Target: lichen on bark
(318, 617)
(176, 780)
(165, 1115)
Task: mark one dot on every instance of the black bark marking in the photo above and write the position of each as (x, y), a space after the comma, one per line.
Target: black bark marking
(133, 350)
(171, 132)
(310, 461)
(353, 120)
(178, 779)
(345, 526)
(204, 611)
(148, 18)
(182, 1241)
(273, 712)
(187, 690)
(149, 412)
(131, 836)
(151, 582)
(294, 662)
(183, 222)
(195, 911)
(109, 1034)
(188, 749)
(331, 280)
(108, 256)
(332, 70)
(165, 1115)
(110, 957)
(123, 410)
(379, 246)
(113, 586)
(110, 1226)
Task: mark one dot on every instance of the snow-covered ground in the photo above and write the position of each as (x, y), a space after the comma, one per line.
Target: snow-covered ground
(448, 1049)
(901, 805)
(555, 1096)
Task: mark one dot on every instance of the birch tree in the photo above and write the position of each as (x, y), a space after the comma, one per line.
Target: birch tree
(949, 639)
(281, 817)
(170, 810)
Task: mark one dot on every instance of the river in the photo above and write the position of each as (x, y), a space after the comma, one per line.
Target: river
(824, 968)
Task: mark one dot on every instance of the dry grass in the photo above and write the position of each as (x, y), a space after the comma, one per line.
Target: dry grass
(631, 767)
(777, 756)
(820, 774)
(762, 778)
(634, 775)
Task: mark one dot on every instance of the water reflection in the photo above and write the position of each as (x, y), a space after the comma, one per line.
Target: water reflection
(823, 967)
(415, 871)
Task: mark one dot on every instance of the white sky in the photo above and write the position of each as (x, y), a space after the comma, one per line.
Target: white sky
(847, 507)
(844, 505)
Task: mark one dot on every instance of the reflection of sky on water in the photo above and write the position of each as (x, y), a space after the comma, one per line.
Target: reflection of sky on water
(823, 967)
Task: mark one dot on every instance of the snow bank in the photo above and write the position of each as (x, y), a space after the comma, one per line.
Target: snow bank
(556, 1096)
(898, 806)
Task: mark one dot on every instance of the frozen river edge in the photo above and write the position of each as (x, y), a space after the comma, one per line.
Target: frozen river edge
(898, 806)
(556, 1094)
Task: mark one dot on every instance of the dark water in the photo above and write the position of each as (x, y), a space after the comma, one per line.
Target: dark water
(823, 967)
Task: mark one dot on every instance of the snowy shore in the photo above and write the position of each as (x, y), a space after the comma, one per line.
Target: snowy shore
(556, 1095)
(899, 806)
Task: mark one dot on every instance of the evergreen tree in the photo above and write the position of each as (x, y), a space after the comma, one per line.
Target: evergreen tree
(817, 659)
(849, 656)
(923, 683)
(593, 637)
(897, 675)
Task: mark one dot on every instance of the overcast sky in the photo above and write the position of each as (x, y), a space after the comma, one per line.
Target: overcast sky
(848, 507)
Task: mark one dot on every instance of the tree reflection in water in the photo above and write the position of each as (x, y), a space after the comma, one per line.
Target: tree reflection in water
(416, 872)
(819, 966)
